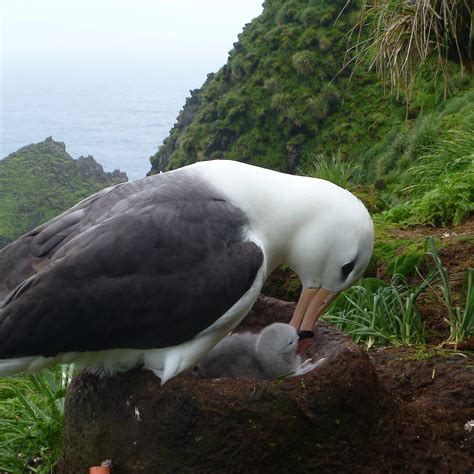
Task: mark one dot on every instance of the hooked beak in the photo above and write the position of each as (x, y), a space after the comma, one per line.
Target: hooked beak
(312, 303)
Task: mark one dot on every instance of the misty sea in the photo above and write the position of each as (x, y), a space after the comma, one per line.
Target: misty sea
(118, 116)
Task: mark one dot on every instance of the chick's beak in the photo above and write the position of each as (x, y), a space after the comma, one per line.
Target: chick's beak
(312, 303)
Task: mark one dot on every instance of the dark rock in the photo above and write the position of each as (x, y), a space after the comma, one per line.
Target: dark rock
(316, 422)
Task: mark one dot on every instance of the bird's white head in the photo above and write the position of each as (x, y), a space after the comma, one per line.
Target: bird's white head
(329, 251)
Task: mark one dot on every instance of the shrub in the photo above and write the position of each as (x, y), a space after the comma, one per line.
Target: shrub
(325, 42)
(309, 38)
(280, 102)
(294, 117)
(288, 12)
(331, 95)
(272, 84)
(309, 16)
(318, 107)
(239, 68)
(304, 62)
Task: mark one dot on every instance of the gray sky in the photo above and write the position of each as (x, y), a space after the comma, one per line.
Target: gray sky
(112, 31)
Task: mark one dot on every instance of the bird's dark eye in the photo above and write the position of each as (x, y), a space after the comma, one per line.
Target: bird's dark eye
(347, 269)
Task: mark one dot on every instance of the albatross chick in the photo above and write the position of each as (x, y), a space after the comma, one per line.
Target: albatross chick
(270, 354)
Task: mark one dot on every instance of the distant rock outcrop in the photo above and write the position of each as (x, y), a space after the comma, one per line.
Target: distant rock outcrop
(41, 180)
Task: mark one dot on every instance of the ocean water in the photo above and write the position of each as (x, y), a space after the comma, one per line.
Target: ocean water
(119, 116)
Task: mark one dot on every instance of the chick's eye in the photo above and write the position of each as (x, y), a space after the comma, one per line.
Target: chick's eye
(347, 269)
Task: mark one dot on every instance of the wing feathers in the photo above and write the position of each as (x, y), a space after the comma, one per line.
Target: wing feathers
(152, 271)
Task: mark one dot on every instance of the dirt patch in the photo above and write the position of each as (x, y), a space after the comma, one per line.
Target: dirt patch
(456, 250)
(466, 229)
(434, 391)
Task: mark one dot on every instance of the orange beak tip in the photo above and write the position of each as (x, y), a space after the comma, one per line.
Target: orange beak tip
(303, 346)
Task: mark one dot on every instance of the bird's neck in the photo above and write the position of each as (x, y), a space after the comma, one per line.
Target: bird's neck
(275, 204)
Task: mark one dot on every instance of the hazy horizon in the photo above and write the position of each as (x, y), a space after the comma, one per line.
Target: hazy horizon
(91, 30)
(61, 59)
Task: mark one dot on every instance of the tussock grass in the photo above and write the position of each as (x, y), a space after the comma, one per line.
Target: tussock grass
(304, 62)
(440, 183)
(404, 34)
(460, 315)
(334, 168)
(453, 154)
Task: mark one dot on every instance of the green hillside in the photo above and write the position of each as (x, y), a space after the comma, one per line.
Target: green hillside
(40, 181)
(285, 98)
(283, 94)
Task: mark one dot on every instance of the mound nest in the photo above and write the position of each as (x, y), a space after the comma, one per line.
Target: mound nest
(319, 421)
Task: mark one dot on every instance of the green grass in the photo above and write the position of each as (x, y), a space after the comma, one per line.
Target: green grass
(285, 101)
(284, 73)
(374, 312)
(439, 185)
(31, 420)
(333, 168)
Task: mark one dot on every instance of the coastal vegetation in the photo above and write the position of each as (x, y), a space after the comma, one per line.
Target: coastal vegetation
(299, 89)
(39, 181)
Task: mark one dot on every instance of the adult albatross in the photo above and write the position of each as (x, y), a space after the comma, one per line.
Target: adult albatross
(155, 272)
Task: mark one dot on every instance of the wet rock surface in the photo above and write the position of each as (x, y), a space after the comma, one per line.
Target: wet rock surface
(317, 422)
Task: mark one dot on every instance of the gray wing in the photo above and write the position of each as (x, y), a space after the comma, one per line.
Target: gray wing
(141, 265)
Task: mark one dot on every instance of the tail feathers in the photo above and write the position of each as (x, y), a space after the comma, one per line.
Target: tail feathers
(24, 364)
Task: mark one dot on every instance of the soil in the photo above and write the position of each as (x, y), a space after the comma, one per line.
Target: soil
(457, 255)
(434, 391)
